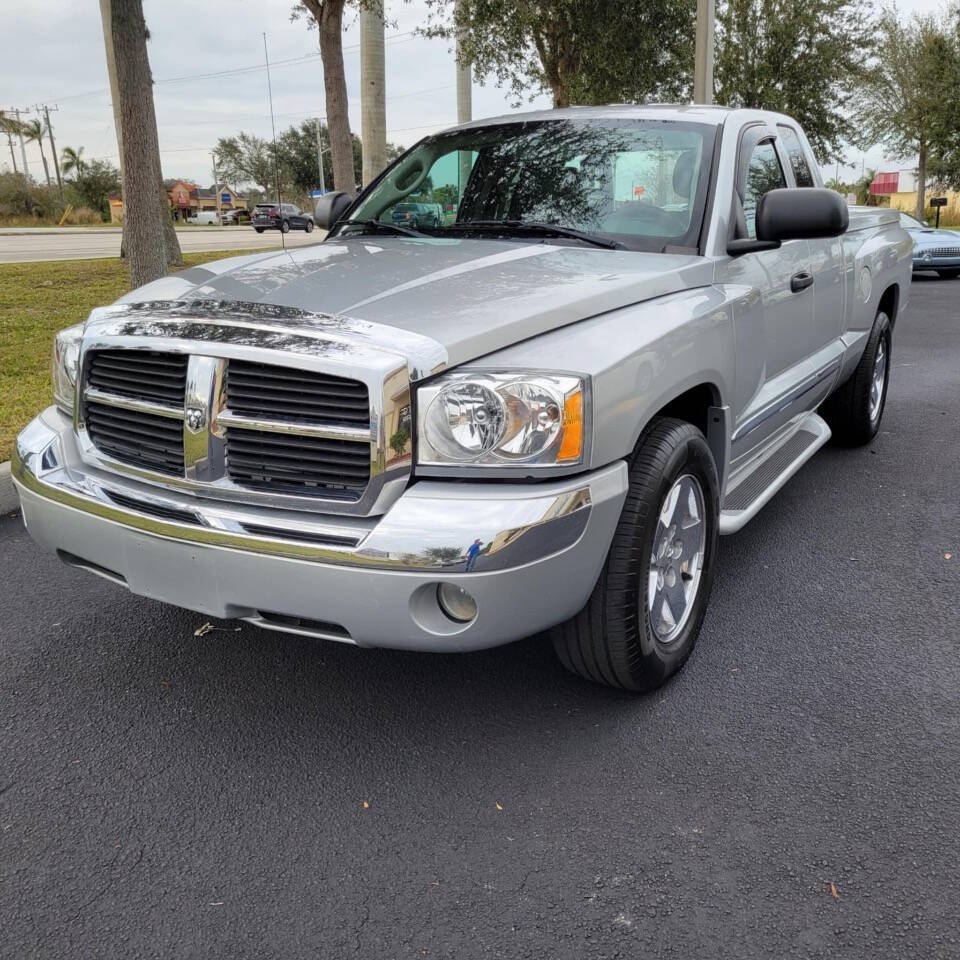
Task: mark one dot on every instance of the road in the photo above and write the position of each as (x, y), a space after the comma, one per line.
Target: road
(26, 245)
(793, 793)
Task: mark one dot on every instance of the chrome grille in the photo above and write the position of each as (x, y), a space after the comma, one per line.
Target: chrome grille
(942, 252)
(298, 464)
(132, 436)
(140, 374)
(270, 392)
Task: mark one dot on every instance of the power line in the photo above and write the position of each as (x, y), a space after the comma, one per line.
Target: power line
(234, 71)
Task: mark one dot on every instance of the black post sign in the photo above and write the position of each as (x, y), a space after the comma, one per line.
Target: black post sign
(938, 202)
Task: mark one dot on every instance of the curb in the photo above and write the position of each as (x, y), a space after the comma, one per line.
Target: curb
(9, 501)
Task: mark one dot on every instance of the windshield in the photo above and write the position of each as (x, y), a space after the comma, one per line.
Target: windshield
(908, 223)
(640, 182)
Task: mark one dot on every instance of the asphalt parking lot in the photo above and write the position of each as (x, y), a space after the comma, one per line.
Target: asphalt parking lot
(793, 793)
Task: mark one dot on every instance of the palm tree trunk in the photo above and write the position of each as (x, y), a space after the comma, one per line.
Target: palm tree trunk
(140, 153)
(373, 108)
(329, 15)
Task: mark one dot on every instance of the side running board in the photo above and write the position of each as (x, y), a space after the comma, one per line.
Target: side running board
(744, 501)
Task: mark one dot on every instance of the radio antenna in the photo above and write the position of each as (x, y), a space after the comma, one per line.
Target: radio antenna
(273, 128)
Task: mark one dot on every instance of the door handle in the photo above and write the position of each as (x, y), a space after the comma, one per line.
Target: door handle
(800, 281)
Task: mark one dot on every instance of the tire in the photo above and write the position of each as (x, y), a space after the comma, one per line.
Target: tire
(285, 226)
(308, 227)
(949, 274)
(614, 640)
(259, 229)
(855, 409)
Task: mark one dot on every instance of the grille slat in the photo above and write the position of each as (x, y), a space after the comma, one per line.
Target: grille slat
(259, 390)
(141, 374)
(306, 465)
(130, 443)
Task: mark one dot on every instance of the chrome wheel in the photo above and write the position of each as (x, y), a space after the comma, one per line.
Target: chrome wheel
(879, 380)
(677, 559)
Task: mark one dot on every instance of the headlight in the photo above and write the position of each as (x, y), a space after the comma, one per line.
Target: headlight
(66, 355)
(501, 419)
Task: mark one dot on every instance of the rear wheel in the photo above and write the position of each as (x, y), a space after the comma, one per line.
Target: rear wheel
(949, 274)
(643, 619)
(259, 229)
(855, 409)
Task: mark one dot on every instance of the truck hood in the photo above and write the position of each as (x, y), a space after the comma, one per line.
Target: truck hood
(472, 296)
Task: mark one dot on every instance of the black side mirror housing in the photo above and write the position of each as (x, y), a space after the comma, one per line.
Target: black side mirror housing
(330, 208)
(801, 213)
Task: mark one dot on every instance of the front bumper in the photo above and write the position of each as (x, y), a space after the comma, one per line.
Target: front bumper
(369, 581)
(936, 263)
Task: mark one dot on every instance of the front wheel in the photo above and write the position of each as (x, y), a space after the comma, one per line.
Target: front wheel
(643, 618)
(259, 229)
(308, 227)
(855, 409)
(285, 226)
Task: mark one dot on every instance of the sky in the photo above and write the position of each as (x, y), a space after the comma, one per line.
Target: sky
(207, 61)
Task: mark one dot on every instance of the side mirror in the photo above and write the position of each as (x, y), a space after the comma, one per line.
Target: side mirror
(330, 208)
(801, 213)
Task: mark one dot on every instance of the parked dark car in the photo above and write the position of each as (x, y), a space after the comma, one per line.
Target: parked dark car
(283, 217)
(231, 217)
(416, 214)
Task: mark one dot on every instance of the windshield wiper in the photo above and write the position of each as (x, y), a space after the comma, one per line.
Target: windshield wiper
(538, 227)
(378, 226)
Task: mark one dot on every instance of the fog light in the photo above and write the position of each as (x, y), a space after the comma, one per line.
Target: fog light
(456, 603)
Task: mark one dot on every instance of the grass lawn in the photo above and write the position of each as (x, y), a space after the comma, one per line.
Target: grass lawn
(37, 300)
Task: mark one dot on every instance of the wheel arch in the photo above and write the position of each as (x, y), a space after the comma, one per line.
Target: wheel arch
(889, 302)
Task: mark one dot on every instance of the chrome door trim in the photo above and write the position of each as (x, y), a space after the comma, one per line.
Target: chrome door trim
(779, 404)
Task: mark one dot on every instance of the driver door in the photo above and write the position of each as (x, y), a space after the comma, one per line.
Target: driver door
(772, 334)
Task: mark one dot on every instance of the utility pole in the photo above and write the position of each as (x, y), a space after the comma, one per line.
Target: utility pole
(373, 105)
(703, 54)
(464, 100)
(323, 188)
(13, 155)
(53, 147)
(23, 149)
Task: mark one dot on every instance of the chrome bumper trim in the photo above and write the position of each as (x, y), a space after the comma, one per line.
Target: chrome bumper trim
(432, 526)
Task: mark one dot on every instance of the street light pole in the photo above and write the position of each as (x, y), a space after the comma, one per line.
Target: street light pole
(703, 54)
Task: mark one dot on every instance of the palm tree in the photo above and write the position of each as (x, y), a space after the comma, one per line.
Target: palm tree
(72, 162)
(8, 125)
(34, 130)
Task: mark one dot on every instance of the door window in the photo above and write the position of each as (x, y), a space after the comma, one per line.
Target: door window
(763, 173)
(798, 160)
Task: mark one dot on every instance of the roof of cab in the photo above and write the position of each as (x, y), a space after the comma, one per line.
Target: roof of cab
(691, 112)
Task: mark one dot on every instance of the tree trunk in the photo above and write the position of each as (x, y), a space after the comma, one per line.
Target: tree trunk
(170, 242)
(329, 16)
(921, 182)
(143, 213)
(373, 108)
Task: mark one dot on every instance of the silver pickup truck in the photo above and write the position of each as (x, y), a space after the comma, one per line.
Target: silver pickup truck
(630, 327)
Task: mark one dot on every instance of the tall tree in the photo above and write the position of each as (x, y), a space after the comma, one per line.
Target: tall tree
(146, 213)
(33, 131)
(905, 102)
(803, 59)
(581, 51)
(327, 17)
